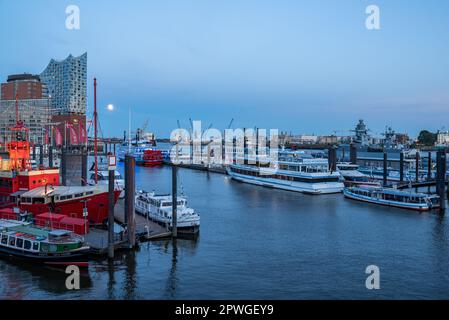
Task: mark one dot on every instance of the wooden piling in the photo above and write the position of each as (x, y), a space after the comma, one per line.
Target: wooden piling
(429, 166)
(332, 158)
(385, 169)
(111, 215)
(34, 151)
(440, 178)
(401, 167)
(41, 155)
(50, 156)
(64, 166)
(174, 201)
(417, 166)
(83, 168)
(130, 190)
(353, 153)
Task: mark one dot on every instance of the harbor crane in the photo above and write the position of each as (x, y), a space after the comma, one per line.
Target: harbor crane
(230, 123)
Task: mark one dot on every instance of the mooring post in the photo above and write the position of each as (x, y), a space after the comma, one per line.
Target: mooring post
(111, 214)
(41, 154)
(130, 165)
(440, 178)
(401, 167)
(385, 171)
(332, 158)
(245, 146)
(429, 166)
(83, 167)
(174, 201)
(417, 166)
(50, 156)
(64, 166)
(353, 153)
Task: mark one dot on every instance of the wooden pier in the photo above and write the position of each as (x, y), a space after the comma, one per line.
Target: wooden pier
(200, 167)
(97, 239)
(145, 229)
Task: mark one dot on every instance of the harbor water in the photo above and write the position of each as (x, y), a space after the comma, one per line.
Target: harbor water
(259, 243)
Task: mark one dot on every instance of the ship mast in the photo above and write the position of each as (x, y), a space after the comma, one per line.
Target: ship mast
(95, 132)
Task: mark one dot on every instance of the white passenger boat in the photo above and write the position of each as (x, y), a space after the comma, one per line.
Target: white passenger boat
(352, 177)
(158, 208)
(307, 175)
(393, 197)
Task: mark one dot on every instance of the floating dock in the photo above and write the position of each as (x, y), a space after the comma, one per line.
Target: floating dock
(145, 229)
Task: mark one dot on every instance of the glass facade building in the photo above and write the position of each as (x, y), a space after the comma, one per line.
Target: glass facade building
(66, 84)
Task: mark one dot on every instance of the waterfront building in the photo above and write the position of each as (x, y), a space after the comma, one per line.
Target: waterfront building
(66, 83)
(23, 86)
(35, 114)
(442, 138)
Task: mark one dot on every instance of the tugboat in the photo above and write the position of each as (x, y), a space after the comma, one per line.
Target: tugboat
(158, 208)
(52, 247)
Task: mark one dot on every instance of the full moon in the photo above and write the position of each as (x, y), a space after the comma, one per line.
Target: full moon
(110, 107)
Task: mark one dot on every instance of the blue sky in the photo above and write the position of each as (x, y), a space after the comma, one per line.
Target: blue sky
(300, 66)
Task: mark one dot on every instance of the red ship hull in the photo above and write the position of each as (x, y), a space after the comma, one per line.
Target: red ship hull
(97, 207)
(151, 158)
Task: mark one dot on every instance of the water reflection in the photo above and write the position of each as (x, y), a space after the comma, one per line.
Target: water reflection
(18, 280)
(172, 280)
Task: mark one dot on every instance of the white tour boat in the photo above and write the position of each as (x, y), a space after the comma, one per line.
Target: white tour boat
(352, 177)
(158, 208)
(293, 171)
(393, 197)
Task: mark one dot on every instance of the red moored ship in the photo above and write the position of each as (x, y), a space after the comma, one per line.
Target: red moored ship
(150, 158)
(38, 191)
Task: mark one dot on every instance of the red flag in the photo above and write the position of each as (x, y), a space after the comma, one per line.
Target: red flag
(58, 136)
(82, 133)
(73, 135)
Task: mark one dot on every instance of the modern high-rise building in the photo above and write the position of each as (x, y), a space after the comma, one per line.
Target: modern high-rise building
(22, 86)
(66, 83)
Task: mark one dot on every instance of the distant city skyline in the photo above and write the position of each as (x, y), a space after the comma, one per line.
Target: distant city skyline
(298, 66)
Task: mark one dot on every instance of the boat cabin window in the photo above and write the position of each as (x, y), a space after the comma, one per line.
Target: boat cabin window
(19, 243)
(78, 195)
(36, 246)
(25, 200)
(39, 200)
(27, 245)
(12, 241)
(4, 239)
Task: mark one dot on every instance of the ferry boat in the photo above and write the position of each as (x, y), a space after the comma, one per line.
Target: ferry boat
(352, 177)
(292, 172)
(136, 148)
(393, 197)
(158, 208)
(150, 158)
(54, 247)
